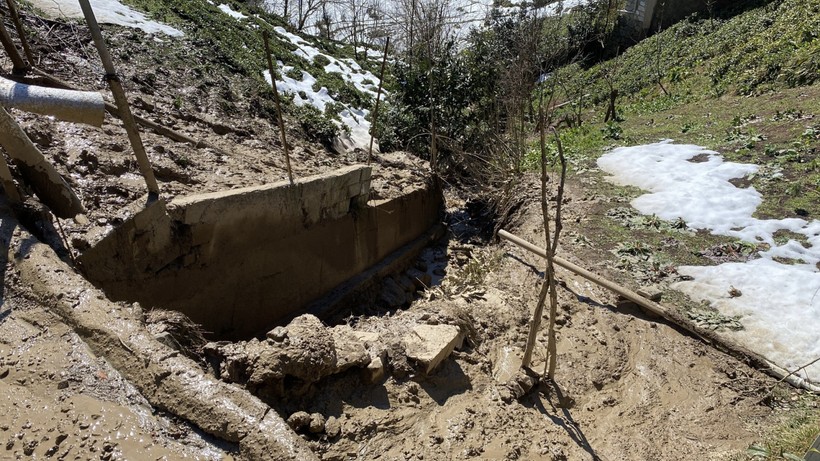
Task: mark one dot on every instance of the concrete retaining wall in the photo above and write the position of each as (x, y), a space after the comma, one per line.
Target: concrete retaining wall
(239, 261)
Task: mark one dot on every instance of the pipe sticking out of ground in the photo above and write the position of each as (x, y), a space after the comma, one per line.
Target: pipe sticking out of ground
(86, 107)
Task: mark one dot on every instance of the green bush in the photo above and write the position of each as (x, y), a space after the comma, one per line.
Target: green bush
(317, 125)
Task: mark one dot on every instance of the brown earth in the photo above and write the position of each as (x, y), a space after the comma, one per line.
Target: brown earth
(628, 386)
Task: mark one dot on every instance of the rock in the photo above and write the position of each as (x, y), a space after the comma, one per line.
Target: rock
(333, 428)
(4, 371)
(350, 349)
(429, 345)
(392, 295)
(652, 293)
(374, 371)
(166, 338)
(278, 334)
(317, 423)
(299, 420)
(506, 364)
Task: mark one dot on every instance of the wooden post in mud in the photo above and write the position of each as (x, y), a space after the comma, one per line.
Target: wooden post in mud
(20, 32)
(17, 63)
(708, 336)
(376, 108)
(279, 115)
(121, 100)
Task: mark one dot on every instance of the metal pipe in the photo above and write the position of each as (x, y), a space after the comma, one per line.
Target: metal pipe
(73, 106)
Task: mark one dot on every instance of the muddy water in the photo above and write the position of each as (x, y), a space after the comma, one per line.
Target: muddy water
(58, 400)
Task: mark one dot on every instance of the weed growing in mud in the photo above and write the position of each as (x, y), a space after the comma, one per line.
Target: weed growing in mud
(794, 436)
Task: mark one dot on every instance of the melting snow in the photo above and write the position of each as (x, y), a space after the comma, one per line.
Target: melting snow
(780, 303)
(234, 14)
(106, 12)
(350, 71)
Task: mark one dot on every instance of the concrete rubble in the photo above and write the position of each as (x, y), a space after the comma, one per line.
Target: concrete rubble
(292, 358)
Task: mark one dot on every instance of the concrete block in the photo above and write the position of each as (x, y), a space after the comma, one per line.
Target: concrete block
(429, 345)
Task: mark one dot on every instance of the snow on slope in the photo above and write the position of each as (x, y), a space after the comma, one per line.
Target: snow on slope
(780, 302)
(106, 12)
(350, 71)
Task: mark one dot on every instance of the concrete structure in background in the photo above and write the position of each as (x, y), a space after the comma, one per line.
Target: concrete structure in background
(646, 15)
(239, 261)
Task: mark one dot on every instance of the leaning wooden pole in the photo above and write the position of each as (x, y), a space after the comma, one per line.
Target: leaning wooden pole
(376, 108)
(18, 65)
(279, 115)
(708, 336)
(120, 98)
(20, 31)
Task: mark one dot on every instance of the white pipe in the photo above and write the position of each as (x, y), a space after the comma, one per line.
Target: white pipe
(72, 106)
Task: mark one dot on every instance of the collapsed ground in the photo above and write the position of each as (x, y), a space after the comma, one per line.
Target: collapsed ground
(631, 387)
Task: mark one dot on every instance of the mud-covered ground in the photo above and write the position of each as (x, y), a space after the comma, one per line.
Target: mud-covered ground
(627, 386)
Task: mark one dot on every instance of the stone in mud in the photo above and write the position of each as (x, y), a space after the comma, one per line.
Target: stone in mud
(317, 423)
(333, 427)
(429, 345)
(374, 371)
(350, 349)
(299, 420)
(278, 334)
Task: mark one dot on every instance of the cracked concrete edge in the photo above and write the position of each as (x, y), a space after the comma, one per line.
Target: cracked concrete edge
(168, 380)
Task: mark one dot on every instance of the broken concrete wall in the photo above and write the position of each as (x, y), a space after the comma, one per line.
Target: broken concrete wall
(238, 261)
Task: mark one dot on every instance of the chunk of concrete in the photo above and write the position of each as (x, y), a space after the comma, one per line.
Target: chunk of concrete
(374, 371)
(429, 345)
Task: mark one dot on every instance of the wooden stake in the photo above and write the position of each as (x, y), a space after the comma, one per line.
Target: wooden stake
(710, 337)
(20, 32)
(279, 114)
(18, 65)
(121, 100)
(376, 109)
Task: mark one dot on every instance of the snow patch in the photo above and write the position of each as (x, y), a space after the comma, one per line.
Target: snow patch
(780, 303)
(106, 12)
(303, 92)
(225, 8)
